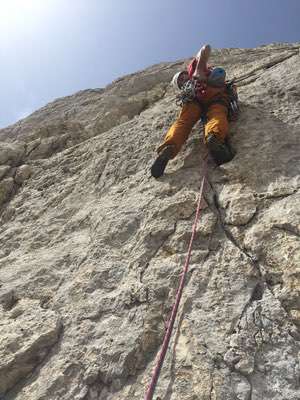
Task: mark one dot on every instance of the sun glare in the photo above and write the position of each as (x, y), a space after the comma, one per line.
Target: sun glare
(11, 9)
(15, 15)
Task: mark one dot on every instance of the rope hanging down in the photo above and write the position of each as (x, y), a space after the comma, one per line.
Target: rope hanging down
(168, 333)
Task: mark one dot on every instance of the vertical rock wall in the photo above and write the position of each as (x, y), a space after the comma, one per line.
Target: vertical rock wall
(92, 247)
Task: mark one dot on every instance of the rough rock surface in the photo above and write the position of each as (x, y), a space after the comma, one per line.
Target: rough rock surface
(92, 247)
(28, 332)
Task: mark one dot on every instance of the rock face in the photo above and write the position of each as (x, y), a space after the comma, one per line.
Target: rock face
(92, 247)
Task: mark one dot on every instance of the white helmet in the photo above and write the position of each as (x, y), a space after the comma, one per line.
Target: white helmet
(179, 79)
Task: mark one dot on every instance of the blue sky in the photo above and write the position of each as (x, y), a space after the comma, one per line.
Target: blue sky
(53, 48)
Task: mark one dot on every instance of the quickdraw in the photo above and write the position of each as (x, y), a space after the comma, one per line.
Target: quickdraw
(187, 93)
(233, 109)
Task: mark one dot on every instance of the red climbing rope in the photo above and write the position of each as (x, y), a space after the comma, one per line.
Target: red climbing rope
(168, 333)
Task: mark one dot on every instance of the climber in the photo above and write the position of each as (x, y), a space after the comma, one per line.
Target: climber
(209, 100)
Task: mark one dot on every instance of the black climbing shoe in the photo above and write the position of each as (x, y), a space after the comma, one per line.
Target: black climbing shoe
(162, 160)
(221, 152)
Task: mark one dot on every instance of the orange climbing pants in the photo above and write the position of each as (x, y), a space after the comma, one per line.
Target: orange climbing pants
(190, 113)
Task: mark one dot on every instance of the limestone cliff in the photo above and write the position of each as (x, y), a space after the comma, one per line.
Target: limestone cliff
(92, 247)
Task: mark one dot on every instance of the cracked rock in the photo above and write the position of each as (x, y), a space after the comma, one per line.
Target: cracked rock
(3, 170)
(11, 153)
(6, 188)
(92, 240)
(28, 333)
(241, 387)
(240, 206)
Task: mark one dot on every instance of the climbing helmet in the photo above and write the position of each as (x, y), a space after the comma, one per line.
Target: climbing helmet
(217, 77)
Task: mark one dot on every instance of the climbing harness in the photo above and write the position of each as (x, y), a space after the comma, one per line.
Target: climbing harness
(170, 324)
(189, 90)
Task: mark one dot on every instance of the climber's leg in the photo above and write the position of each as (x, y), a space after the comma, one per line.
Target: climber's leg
(217, 121)
(216, 133)
(175, 137)
(180, 130)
